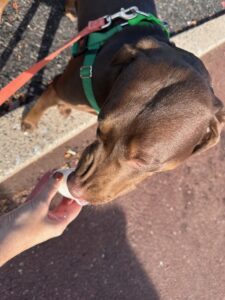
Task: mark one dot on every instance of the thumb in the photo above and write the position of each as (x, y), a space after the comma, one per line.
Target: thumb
(52, 186)
(39, 186)
(48, 189)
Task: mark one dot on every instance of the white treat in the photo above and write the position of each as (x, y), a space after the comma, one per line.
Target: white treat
(63, 188)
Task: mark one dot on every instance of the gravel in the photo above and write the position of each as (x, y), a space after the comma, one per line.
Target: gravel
(181, 13)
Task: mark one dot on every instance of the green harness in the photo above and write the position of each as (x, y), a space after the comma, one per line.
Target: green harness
(96, 40)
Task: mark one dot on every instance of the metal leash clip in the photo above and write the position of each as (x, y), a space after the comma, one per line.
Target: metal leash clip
(125, 14)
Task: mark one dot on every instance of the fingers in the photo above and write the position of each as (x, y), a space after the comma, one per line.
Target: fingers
(73, 211)
(66, 211)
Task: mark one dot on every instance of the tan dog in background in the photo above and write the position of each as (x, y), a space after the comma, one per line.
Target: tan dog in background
(3, 4)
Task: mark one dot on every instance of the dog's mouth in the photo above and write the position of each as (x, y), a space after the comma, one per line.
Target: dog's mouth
(80, 201)
(65, 191)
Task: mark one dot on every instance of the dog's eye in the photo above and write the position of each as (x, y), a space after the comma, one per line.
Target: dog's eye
(100, 135)
(98, 132)
(139, 161)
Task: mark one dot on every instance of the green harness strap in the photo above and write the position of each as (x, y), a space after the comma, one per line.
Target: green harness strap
(95, 41)
(138, 20)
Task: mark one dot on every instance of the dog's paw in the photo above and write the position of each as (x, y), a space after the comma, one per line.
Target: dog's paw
(70, 10)
(27, 126)
(71, 14)
(1, 17)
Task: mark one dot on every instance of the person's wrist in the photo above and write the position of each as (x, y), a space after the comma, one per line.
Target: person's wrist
(14, 232)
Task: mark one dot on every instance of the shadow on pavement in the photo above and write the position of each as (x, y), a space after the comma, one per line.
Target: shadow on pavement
(92, 260)
(51, 27)
(55, 15)
(18, 34)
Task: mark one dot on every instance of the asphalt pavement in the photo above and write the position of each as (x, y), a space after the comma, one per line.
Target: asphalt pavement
(181, 14)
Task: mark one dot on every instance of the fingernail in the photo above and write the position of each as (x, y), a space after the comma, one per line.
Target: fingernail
(57, 176)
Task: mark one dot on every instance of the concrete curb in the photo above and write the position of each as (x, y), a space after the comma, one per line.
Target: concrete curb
(203, 38)
(19, 150)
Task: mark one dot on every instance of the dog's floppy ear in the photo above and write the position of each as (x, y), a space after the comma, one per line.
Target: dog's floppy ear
(124, 55)
(212, 135)
(129, 52)
(220, 111)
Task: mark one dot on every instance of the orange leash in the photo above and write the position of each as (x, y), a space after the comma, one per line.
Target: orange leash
(23, 78)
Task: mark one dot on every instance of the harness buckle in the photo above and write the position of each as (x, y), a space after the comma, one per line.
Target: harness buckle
(125, 14)
(86, 72)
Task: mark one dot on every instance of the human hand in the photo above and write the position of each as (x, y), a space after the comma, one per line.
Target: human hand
(33, 222)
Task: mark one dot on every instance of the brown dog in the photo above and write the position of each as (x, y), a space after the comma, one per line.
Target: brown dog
(157, 106)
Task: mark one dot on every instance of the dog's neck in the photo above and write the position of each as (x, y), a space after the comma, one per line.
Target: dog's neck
(105, 71)
(87, 10)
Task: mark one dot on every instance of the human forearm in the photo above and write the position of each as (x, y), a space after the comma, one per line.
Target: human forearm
(12, 239)
(33, 222)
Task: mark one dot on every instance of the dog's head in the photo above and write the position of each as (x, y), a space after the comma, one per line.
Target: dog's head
(160, 111)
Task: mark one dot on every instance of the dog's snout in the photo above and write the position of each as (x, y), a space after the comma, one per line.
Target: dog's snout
(86, 169)
(86, 164)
